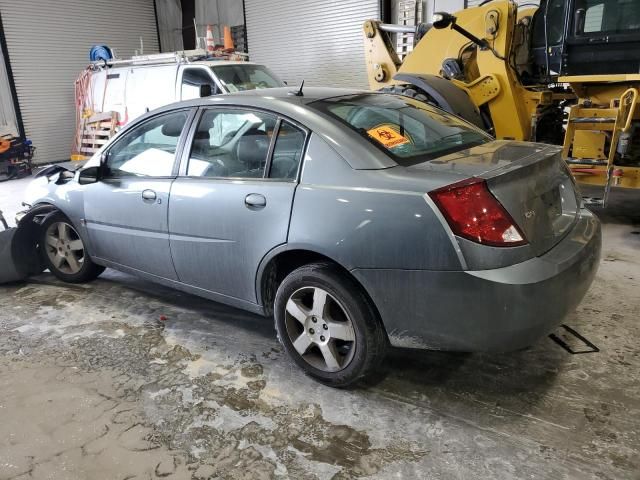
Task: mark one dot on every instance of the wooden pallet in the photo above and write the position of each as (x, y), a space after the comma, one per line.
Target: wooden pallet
(96, 131)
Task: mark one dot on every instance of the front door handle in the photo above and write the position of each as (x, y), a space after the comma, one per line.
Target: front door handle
(149, 195)
(255, 200)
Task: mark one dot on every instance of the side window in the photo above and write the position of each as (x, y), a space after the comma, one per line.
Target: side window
(192, 78)
(594, 17)
(287, 152)
(148, 149)
(231, 143)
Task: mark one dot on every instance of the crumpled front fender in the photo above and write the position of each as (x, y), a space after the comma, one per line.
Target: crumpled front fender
(19, 252)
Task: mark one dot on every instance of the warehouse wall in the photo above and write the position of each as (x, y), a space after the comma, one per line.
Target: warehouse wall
(318, 41)
(48, 44)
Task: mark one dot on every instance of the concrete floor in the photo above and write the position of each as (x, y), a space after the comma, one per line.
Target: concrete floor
(122, 379)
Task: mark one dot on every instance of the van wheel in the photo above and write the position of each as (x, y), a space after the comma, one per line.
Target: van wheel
(328, 326)
(64, 252)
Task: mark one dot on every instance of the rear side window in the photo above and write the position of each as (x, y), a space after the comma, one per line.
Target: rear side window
(409, 131)
(231, 143)
(287, 152)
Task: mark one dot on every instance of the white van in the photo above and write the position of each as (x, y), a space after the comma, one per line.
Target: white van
(134, 87)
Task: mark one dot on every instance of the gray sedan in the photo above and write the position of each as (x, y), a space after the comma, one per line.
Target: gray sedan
(357, 220)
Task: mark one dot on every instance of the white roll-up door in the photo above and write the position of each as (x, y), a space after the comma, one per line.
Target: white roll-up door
(318, 41)
(48, 44)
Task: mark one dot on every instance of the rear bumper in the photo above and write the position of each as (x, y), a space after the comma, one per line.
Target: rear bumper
(492, 310)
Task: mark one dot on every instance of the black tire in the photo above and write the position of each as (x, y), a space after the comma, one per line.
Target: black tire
(360, 359)
(87, 270)
(411, 92)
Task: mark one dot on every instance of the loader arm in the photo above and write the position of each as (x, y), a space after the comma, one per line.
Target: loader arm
(486, 75)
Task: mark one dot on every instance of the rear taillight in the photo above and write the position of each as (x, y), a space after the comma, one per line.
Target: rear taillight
(475, 214)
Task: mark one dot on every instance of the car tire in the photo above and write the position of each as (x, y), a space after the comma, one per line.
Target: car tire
(328, 325)
(63, 251)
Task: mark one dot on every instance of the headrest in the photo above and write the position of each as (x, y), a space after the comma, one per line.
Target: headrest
(173, 127)
(252, 148)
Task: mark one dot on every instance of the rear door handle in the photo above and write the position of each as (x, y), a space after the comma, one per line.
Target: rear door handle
(255, 200)
(149, 195)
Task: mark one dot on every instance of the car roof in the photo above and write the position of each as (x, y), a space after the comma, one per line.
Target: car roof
(213, 63)
(284, 102)
(279, 95)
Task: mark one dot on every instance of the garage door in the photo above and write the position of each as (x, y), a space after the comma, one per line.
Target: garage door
(317, 41)
(48, 44)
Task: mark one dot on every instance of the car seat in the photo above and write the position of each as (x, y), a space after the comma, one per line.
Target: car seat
(286, 156)
(251, 151)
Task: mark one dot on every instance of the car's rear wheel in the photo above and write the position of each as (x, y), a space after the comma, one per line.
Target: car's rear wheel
(328, 326)
(64, 252)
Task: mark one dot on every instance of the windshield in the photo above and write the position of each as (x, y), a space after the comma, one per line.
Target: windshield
(240, 77)
(407, 130)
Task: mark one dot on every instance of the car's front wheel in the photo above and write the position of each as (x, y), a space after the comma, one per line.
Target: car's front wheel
(328, 326)
(64, 252)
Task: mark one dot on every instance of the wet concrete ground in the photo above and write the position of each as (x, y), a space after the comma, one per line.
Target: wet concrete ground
(123, 379)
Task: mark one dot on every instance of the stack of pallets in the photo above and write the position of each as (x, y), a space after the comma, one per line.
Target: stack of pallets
(95, 132)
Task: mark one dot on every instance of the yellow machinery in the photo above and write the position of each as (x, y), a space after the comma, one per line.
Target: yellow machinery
(565, 73)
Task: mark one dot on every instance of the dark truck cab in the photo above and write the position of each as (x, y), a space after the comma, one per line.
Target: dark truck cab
(586, 37)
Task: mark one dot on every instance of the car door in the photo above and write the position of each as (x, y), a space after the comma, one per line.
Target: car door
(232, 203)
(126, 210)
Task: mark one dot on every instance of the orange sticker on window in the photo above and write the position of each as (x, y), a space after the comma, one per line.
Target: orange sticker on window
(388, 136)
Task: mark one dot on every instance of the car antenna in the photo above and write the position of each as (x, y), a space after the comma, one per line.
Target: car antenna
(299, 92)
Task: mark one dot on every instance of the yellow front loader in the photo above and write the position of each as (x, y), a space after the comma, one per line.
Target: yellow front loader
(566, 73)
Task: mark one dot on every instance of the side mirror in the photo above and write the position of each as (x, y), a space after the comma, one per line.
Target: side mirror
(443, 20)
(205, 90)
(89, 175)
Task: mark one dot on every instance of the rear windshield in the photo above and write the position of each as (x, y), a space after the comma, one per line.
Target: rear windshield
(246, 77)
(407, 130)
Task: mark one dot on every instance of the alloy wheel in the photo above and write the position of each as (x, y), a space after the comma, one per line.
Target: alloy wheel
(320, 329)
(64, 248)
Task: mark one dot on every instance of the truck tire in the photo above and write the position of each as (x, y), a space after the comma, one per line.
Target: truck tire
(410, 91)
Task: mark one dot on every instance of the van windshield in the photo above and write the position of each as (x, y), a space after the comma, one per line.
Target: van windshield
(240, 77)
(407, 130)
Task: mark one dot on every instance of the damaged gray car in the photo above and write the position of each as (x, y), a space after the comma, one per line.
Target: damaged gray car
(357, 220)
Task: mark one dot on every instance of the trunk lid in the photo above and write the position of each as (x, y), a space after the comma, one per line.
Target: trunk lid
(530, 180)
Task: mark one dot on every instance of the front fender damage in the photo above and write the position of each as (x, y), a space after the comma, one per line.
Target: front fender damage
(19, 252)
